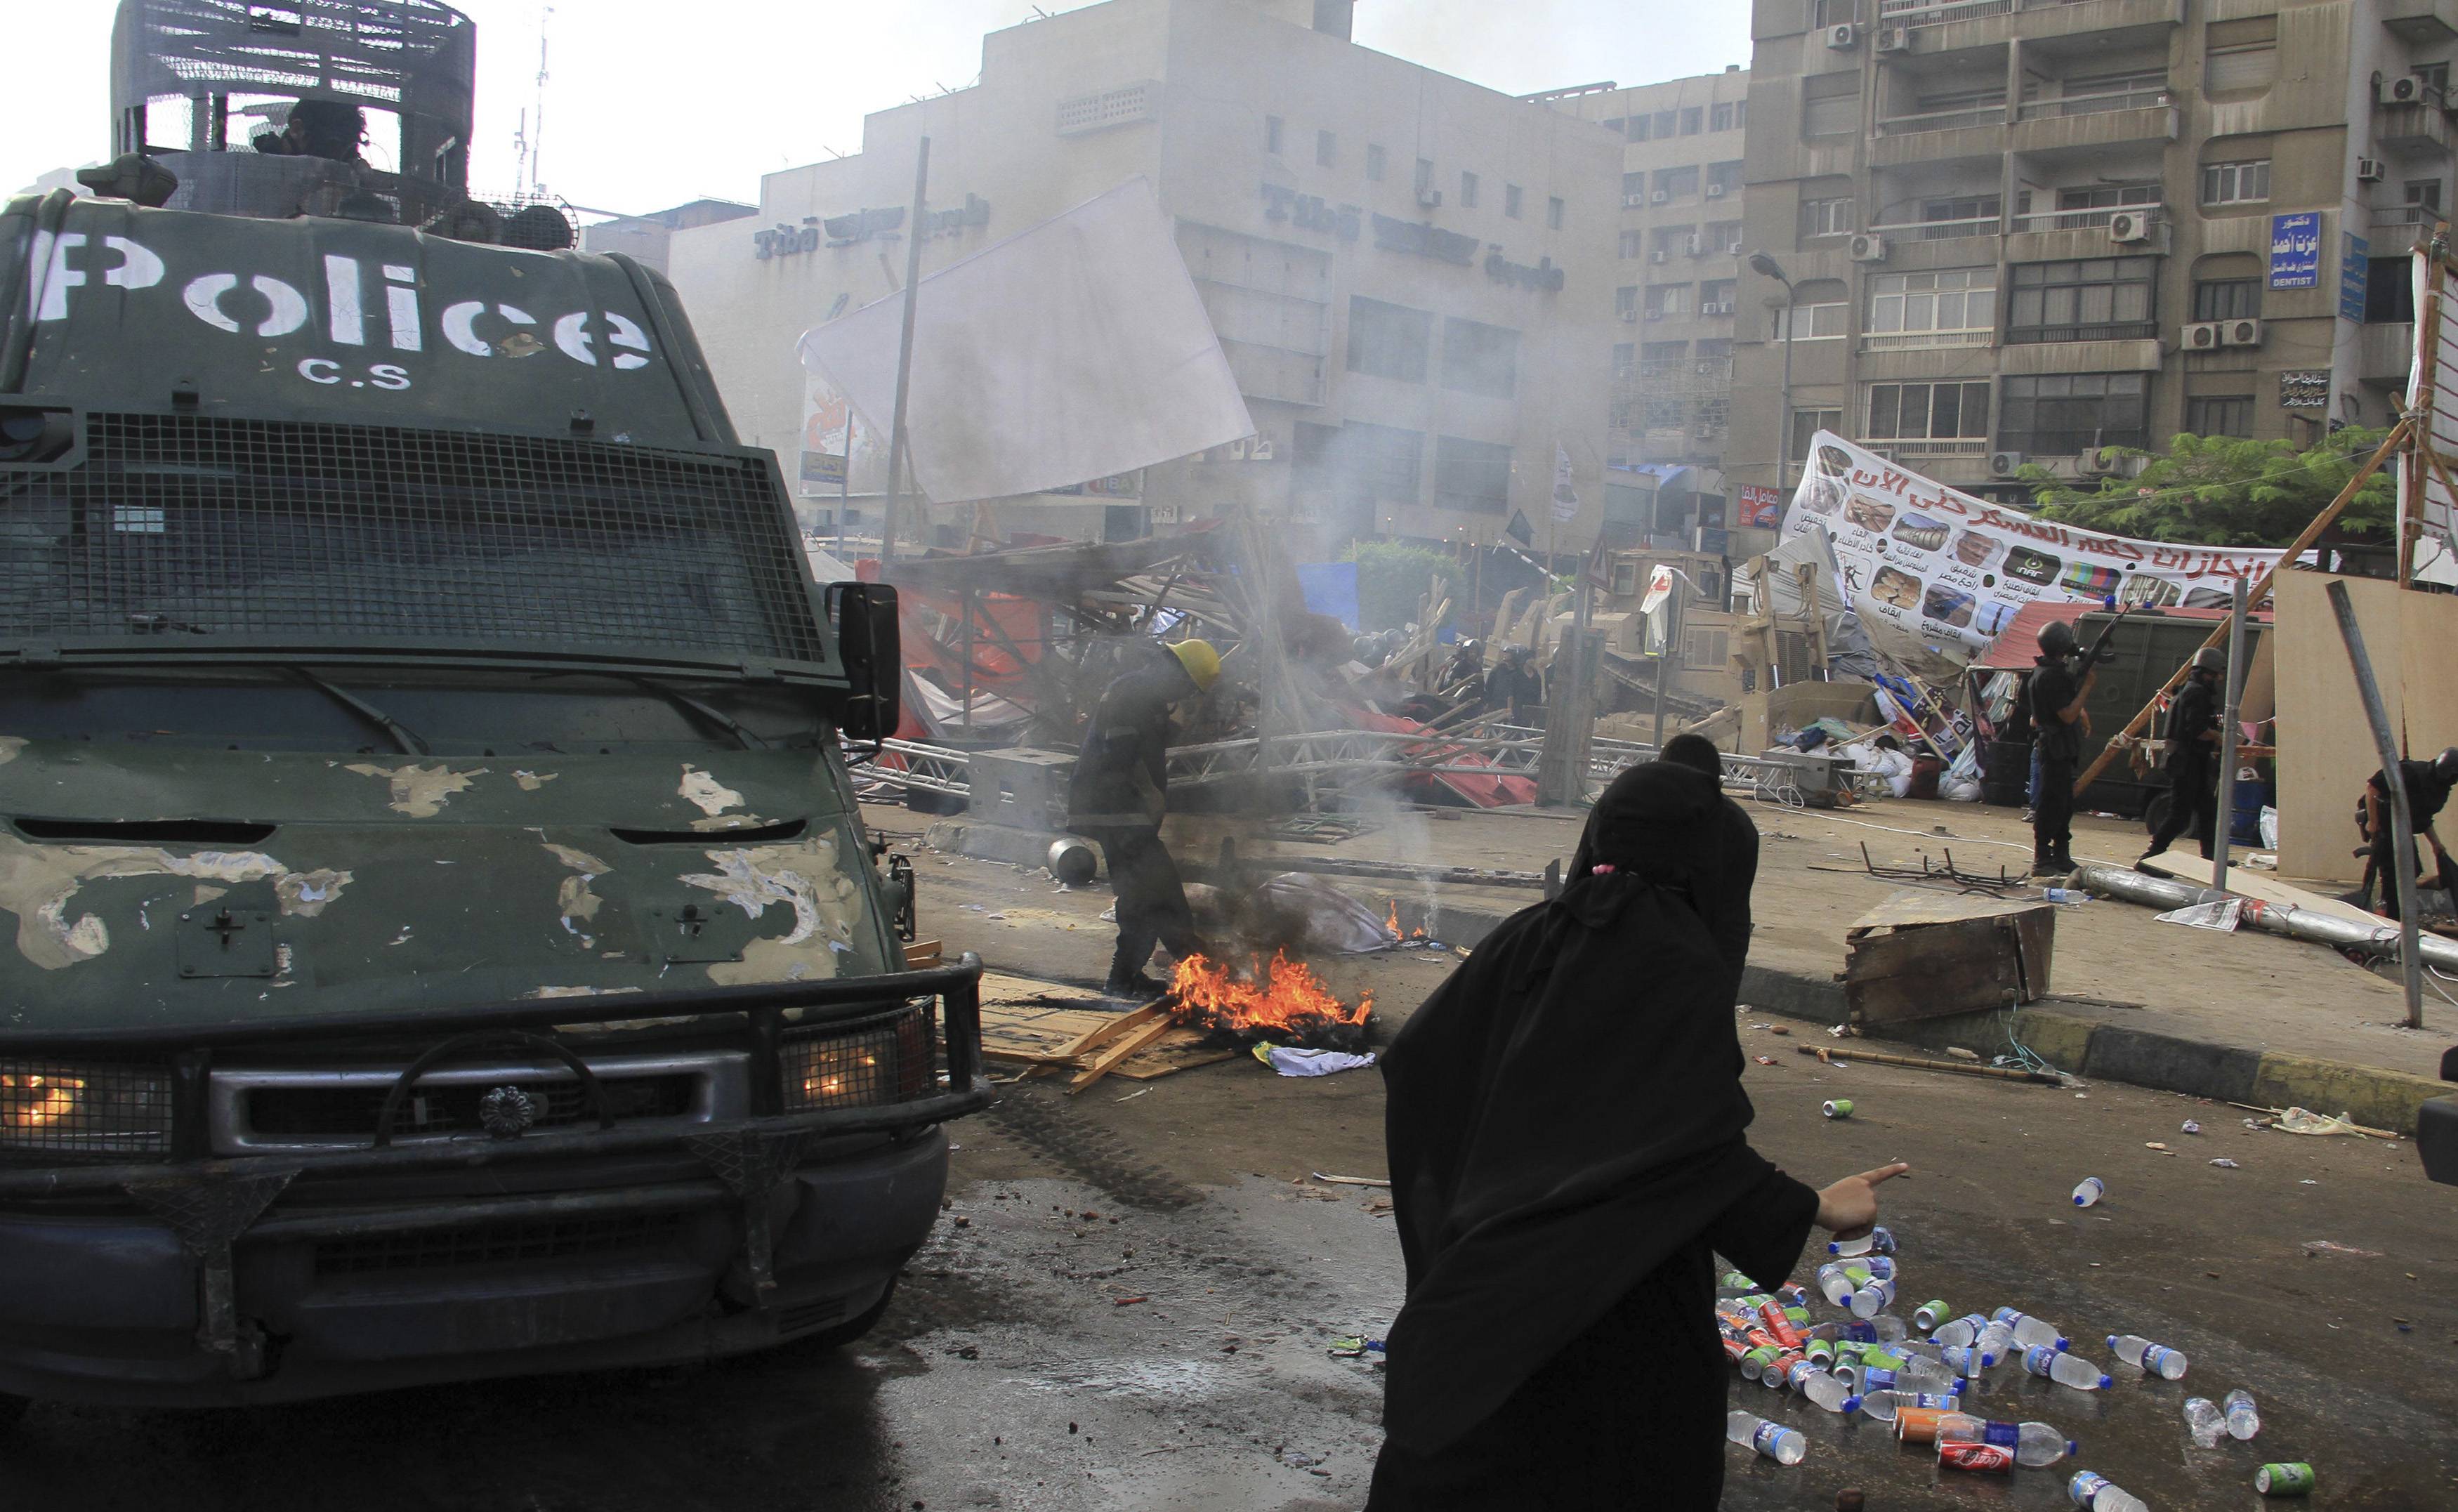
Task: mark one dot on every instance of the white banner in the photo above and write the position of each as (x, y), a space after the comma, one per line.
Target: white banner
(1954, 569)
(2423, 492)
(1077, 350)
(1565, 498)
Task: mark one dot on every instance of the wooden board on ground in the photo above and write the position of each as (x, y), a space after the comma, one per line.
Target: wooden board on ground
(1051, 1025)
(2265, 886)
(1920, 955)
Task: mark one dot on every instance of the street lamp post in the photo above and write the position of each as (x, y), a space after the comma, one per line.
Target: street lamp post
(1767, 267)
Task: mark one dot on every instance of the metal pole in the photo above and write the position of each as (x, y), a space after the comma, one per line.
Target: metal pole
(1784, 455)
(972, 606)
(896, 437)
(844, 485)
(2223, 817)
(2401, 824)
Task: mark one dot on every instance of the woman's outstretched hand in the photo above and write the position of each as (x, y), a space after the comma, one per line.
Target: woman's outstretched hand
(1849, 1208)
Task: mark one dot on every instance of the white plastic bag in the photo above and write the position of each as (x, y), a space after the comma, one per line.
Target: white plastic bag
(1291, 1062)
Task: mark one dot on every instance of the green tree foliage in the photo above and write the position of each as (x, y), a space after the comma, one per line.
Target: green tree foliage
(2221, 490)
(1391, 578)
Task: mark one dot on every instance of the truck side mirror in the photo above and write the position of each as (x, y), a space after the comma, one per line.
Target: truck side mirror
(864, 617)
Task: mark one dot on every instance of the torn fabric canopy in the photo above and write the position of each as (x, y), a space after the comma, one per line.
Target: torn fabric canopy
(1078, 349)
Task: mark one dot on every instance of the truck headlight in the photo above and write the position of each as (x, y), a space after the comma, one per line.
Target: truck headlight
(882, 1060)
(57, 1107)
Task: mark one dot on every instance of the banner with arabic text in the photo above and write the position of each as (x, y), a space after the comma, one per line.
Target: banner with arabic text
(1955, 570)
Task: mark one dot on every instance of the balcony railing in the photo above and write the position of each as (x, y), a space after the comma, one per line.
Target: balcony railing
(1912, 450)
(2092, 104)
(2107, 331)
(1940, 230)
(1923, 341)
(2093, 220)
(1938, 13)
(1944, 120)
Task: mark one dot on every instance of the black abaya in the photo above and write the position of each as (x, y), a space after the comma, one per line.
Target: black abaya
(1566, 1133)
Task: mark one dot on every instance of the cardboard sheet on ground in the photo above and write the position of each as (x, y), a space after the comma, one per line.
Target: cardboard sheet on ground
(1078, 349)
(1041, 1024)
(1921, 559)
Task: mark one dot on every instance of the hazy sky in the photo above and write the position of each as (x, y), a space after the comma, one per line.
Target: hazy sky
(644, 110)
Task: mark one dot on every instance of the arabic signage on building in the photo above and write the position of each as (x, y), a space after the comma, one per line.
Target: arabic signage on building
(2304, 388)
(853, 229)
(2355, 275)
(1954, 569)
(1419, 238)
(1760, 509)
(2296, 251)
(1313, 213)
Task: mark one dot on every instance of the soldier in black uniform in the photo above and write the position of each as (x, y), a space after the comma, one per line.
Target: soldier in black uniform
(2428, 785)
(2057, 697)
(1117, 798)
(2194, 757)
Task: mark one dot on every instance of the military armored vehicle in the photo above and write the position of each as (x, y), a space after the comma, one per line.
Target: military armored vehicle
(445, 940)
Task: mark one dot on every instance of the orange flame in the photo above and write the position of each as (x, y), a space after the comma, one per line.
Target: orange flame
(1392, 924)
(1285, 998)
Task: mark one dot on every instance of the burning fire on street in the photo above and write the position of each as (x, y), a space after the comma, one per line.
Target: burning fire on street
(1283, 1001)
(1392, 924)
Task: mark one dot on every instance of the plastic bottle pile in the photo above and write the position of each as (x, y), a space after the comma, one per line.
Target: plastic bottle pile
(1872, 1363)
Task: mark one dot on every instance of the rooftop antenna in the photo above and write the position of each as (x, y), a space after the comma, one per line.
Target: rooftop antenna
(538, 142)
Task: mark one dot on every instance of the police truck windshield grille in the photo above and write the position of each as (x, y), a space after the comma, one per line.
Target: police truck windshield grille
(327, 534)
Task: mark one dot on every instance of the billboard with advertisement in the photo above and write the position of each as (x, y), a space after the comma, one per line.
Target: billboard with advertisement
(1954, 569)
(1757, 509)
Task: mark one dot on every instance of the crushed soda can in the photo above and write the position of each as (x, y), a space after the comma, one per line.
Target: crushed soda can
(1993, 1458)
(1351, 1347)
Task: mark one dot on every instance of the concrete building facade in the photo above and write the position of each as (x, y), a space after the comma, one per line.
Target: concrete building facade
(1677, 249)
(1411, 275)
(2020, 230)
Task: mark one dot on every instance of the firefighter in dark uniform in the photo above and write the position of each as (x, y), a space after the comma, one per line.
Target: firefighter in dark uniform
(2194, 757)
(1118, 797)
(2428, 785)
(2057, 697)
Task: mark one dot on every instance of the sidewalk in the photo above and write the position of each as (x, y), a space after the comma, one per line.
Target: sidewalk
(2244, 1017)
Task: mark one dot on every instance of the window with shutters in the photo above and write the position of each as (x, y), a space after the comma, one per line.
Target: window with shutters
(2066, 414)
(2241, 57)
(1830, 104)
(2219, 415)
(2091, 300)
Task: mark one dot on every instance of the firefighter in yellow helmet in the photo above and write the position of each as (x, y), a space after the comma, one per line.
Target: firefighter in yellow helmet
(1119, 794)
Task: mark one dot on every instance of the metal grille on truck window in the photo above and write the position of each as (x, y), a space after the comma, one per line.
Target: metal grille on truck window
(296, 531)
(350, 1112)
(498, 1243)
(63, 1110)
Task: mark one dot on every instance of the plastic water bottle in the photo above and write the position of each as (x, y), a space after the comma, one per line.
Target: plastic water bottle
(1925, 1374)
(1834, 1284)
(2096, 1492)
(1961, 1331)
(2203, 1421)
(1781, 1445)
(1869, 1300)
(1821, 1388)
(1890, 1329)
(2088, 1192)
(1877, 1240)
(1967, 1360)
(2031, 1332)
(1880, 1266)
(2066, 1370)
(2035, 1443)
(1884, 1405)
(2065, 895)
(2242, 1421)
(2151, 1359)
(1930, 1314)
(1995, 1336)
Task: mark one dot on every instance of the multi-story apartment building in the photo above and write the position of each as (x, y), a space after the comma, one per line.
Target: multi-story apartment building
(2017, 230)
(1411, 275)
(1678, 246)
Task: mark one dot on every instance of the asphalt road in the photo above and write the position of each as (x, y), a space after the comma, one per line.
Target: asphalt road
(1017, 1370)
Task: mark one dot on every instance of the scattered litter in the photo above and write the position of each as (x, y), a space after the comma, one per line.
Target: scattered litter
(1763, 1026)
(1355, 1347)
(1962, 1054)
(1109, 914)
(2300, 1121)
(2308, 1182)
(1129, 1301)
(2160, 1147)
(2089, 1190)
(2317, 1247)
(1766, 1060)
(2225, 1164)
(2220, 916)
(1839, 1030)
(2190, 1128)
(1290, 1061)
(1839, 1107)
(1350, 1181)
(1132, 1096)
(1778, 1028)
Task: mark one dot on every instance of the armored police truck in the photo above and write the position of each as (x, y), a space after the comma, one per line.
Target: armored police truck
(444, 942)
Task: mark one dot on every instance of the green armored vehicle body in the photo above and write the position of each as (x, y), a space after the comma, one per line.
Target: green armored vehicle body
(445, 941)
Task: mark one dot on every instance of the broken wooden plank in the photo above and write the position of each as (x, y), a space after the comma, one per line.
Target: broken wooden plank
(1123, 1045)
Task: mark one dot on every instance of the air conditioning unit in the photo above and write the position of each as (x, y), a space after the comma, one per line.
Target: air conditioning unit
(2129, 226)
(1661, 197)
(1714, 191)
(2093, 464)
(1632, 316)
(1894, 39)
(1696, 247)
(1718, 308)
(1657, 255)
(2407, 91)
(2202, 336)
(2005, 464)
(2371, 170)
(2239, 333)
(1868, 247)
(1429, 198)
(1632, 201)
(1844, 37)
(1735, 250)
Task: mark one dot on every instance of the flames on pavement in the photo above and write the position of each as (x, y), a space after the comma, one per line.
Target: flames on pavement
(1283, 1001)
(1392, 924)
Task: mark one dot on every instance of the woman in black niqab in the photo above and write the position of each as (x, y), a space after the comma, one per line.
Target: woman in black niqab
(1566, 1128)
